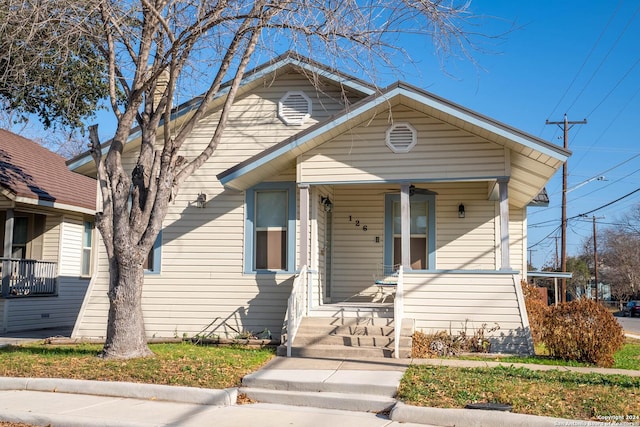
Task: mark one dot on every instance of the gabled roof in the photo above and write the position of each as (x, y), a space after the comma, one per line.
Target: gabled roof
(548, 156)
(252, 78)
(29, 173)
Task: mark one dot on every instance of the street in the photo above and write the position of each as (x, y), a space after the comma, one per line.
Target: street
(630, 325)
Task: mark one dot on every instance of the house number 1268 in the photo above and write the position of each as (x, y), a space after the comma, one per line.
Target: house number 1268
(357, 221)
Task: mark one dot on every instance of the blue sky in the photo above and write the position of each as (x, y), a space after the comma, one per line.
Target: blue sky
(575, 57)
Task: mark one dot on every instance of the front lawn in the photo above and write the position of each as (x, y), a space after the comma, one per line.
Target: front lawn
(181, 364)
(549, 393)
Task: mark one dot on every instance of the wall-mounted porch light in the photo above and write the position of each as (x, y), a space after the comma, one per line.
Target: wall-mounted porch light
(461, 213)
(326, 203)
(201, 201)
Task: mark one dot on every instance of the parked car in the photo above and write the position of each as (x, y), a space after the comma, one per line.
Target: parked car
(631, 309)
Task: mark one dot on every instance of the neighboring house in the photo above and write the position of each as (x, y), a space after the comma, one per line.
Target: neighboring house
(320, 169)
(46, 227)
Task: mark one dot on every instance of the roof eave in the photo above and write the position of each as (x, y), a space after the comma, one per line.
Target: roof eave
(262, 71)
(229, 177)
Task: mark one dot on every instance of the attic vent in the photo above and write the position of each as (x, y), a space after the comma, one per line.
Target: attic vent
(294, 108)
(401, 137)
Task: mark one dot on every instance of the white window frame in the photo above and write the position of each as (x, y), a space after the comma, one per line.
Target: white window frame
(87, 232)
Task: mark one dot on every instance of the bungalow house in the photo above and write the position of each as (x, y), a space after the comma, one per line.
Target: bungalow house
(46, 227)
(321, 180)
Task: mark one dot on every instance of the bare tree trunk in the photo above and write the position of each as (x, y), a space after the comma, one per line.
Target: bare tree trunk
(125, 328)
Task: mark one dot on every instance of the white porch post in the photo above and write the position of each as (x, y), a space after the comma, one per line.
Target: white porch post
(8, 233)
(405, 225)
(304, 226)
(504, 225)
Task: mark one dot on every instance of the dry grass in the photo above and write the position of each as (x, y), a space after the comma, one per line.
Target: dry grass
(182, 364)
(553, 393)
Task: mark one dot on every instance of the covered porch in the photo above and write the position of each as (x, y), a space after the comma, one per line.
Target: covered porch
(354, 238)
(23, 271)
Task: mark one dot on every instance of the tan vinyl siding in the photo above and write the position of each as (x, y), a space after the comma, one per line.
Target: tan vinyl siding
(201, 287)
(453, 302)
(71, 246)
(518, 236)
(461, 244)
(51, 238)
(465, 243)
(442, 152)
(5, 203)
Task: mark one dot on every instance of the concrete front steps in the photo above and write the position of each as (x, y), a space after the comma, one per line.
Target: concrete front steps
(349, 390)
(364, 336)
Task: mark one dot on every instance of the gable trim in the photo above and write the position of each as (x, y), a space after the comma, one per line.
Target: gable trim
(399, 89)
(249, 77)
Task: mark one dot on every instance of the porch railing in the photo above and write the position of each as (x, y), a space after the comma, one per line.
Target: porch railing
(398, 312)
(296, 306)
(28, 277)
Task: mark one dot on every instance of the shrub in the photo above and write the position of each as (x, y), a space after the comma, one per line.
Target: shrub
(582, 330)
(537, 310)
(445, 343)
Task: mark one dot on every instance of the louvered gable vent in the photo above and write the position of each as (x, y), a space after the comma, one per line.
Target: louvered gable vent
(294, 108)
(401, 137)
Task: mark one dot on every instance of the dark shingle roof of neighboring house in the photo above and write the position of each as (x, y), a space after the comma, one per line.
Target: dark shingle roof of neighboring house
(30, 171)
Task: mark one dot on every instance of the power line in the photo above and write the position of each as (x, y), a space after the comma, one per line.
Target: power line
(605, 58)
(593, 48)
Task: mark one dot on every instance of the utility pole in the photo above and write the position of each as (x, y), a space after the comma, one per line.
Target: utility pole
(595, 255)
(565, 125)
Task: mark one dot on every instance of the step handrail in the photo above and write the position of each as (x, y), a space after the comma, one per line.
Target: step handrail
(398, 312)
(296, 306)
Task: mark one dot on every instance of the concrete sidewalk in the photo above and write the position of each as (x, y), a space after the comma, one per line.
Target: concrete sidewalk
(306, 392)
(75, 403)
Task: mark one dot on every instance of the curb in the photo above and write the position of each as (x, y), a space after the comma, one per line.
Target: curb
(474, 417)
(62, 420)
(200, 396)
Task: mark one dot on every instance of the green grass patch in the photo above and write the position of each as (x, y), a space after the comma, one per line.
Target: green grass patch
(628, 357)
(183, 364)
(548, 393)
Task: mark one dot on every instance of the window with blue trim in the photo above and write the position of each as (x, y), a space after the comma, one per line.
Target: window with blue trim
(270, 228)
(154, 259)
(422, 231)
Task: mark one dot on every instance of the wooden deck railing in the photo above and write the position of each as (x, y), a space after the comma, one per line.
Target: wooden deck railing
(28, 277)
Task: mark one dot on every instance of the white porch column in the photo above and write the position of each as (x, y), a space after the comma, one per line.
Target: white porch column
(8, 233)
(405, 225)
(505, 263)
(304, 226)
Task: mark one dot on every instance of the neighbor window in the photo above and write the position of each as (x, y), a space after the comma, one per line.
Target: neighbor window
(270, 234)
(87, 239)
(152, 263)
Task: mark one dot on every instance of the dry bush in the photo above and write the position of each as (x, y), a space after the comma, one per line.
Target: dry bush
(537, 310)
(582, 330)
(445, 343)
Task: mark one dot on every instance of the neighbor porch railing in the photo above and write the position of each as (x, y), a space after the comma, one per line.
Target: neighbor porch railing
(398, 311)
(296, 306)
(28, 277)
